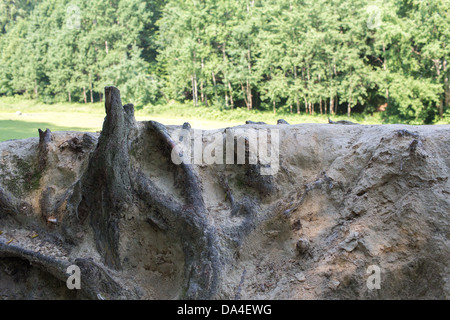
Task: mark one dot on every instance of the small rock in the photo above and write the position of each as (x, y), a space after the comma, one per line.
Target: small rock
(333, 284)
(297, 225)
(52, 219)
(88, 140)
(80, 235)
(300, 276)
(273, 233)
(133, 263)
(327, 274)
(349, 246)
(303, 245)
(351, 242)
(253, 122)
(139, 291)
(282, 121)
(18, 113)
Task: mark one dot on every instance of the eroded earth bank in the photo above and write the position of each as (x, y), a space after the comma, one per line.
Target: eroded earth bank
(345, 198)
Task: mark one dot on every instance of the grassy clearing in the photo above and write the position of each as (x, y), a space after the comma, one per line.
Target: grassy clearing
(13, 126)
(89, 117)
(76, 117)
(239, 116)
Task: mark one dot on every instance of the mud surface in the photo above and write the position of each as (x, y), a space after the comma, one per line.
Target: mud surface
(344, 198)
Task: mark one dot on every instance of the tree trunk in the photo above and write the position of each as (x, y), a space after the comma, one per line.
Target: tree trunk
(202, 95)
(437, 63)
(215, 84)
(274, 108)
(231, 95)
(385, 69)
(296, 94)
(306, 105)
(110, 186)
(308, 77)
(194, 81)
(245, 96)
(194, 90)
(224, 59)
(446, 88)
(306, 90)
(249, 88)
(226, 99)
(70, 98)
(84, 95)
(90, 88)
(387, 98)
(320, 105)
(332, 105)
(249, 95)
(336, 104)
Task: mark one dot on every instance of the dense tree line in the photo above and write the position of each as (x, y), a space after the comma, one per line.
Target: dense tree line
(69, 50)
(315, 56)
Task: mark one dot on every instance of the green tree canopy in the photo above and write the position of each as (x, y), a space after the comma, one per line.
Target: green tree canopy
(315, 56)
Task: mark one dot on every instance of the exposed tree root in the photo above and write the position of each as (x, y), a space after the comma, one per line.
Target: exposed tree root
(189, 221)
(140, 226)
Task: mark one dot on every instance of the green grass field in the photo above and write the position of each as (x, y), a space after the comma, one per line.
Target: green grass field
(13, 126)
(74, 117)
(89, 117)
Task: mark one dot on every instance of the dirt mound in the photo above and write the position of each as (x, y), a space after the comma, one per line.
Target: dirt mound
(352, 212)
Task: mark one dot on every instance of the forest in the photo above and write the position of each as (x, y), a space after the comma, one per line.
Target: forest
(297, 56)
